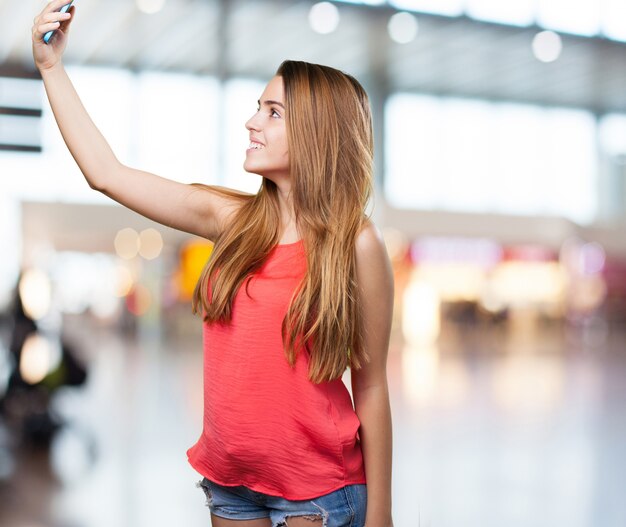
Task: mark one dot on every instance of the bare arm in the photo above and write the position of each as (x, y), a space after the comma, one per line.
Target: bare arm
(369, 384)
(177, 205)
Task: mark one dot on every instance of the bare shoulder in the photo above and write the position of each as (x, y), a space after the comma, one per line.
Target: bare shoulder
(370, 242)
(373, 264)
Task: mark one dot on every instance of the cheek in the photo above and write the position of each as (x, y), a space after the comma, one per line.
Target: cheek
(285, 153)
(281, 139)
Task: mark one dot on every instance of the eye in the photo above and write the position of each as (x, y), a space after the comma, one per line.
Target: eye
(274, 112)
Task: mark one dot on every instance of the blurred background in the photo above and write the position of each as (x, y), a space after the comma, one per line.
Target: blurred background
(501, 192)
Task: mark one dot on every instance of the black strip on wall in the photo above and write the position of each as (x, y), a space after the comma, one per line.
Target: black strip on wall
(25, 112)
(20, 148)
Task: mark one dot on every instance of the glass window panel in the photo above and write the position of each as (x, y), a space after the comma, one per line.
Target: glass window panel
(515, 12)
(465, 159)
(20, 130)
(414, 139)
(475, 156)
(613, 134)
(106, 93)
(177, 126)
(614, 19)
(516, 178)
(581, 17)
(570, 153)
(24, 174)
(241, 97)
(438, 7)
(20, 93)
(163, 123)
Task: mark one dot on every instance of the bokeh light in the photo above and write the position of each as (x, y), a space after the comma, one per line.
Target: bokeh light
(193, 257)
(150, 244)
(324, 17)
(139, 300)
(402, 27)
(150, 6)
(547, 46)
(127, 243)
(396, 243)
(587, 294)
(38, 358)
(123, 281)
(35, 293)
(421, 313)
(527, 283)
(420, 370)
(453, 281)
(593, 258)
(105, 307)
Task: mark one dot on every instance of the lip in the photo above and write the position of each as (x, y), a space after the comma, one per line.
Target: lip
(252, 140)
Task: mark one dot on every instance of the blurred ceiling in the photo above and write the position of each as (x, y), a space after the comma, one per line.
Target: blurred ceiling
(451, 56)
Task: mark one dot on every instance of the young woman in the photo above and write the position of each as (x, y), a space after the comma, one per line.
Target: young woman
(298, 288)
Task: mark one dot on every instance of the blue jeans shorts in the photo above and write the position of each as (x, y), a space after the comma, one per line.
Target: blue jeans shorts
(344, 507)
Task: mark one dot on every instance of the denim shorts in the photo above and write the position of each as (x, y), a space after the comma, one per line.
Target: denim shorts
(344, 507)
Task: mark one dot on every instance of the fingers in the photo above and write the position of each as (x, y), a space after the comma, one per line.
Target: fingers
(51, 7)
(55, 5)
(54, 17)
(40, 30)
(51, 19)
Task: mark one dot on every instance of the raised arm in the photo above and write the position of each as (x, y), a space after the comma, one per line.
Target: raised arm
(200, 211)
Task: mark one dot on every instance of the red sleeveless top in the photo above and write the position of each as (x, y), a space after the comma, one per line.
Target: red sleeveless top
(266, 426)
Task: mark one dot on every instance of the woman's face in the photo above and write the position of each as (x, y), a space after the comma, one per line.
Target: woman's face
(267, 153)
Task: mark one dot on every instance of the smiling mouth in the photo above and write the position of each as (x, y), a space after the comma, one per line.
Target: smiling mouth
(255, 146)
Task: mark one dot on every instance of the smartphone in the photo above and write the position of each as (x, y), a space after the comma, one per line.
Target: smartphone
(48, 35)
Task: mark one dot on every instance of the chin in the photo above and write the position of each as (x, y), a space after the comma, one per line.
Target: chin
(272, 173)
(252, 169)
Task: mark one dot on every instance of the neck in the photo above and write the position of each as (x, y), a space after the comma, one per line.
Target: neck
(286, 207)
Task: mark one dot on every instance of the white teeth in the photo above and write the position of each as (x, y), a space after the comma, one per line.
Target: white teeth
(256, 146)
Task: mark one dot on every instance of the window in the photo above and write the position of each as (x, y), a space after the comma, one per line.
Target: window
(474, 156)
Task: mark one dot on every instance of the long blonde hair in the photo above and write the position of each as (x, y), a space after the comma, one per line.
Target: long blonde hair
(329, 133)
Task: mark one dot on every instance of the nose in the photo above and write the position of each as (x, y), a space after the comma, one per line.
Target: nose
(253, 124)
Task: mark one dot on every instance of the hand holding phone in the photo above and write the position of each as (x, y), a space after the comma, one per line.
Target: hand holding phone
(48, 42)
(64, 9)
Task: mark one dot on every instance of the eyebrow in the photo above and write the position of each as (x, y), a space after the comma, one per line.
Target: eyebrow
(272, 102)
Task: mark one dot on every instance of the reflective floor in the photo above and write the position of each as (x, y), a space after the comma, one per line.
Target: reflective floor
(522, 424)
